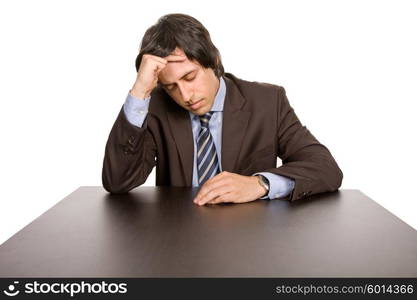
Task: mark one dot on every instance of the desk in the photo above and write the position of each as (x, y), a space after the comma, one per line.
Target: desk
(159, 232)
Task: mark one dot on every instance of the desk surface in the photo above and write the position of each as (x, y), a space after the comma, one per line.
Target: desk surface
(159, 232)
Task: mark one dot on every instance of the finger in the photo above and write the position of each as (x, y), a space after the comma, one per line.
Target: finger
(157, 59)
(214, 193)
(159, 67)
(174, 57)
(208, 187)
(225, 198)
(212, 183)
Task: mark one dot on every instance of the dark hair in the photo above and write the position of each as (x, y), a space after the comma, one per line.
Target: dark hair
(185, 32)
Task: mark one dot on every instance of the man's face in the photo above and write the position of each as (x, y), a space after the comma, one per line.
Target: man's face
(189, 84)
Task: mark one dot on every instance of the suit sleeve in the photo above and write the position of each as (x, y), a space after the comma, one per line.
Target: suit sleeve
(129, 156)
(304, 158)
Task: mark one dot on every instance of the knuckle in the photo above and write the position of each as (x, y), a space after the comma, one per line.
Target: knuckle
(211, 194)
(222, 197)
(218, 200)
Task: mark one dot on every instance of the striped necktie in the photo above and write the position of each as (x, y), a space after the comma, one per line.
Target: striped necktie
(207, 161)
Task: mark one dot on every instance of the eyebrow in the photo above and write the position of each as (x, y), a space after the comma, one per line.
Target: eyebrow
(185, 75)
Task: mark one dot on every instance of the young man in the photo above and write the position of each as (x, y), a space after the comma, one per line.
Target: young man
(203, 127)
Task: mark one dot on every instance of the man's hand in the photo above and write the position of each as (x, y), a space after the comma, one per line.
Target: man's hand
(149, 69)
(230, 187)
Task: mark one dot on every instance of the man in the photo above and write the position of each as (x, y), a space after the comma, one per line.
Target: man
(203, 127)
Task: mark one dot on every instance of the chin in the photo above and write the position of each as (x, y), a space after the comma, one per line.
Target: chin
(201, 111)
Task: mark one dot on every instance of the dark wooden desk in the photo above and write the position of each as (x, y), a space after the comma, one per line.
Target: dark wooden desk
(159, 232)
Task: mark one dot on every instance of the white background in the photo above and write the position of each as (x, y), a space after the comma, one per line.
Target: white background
(349, 69)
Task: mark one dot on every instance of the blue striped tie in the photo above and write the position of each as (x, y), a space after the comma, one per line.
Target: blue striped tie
(207, 161)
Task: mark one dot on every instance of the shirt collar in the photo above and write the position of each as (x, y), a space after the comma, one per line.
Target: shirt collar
(219, 99)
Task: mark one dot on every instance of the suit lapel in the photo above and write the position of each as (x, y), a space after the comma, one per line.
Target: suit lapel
(180, 124)
(235, 122)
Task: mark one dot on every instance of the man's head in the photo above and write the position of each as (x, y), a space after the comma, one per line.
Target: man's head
(192, 83)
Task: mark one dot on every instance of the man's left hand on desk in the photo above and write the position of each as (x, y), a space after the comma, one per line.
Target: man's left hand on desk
(229, 187)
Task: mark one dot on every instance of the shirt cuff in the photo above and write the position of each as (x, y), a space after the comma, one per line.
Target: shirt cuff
(279, 186)
(136, 109)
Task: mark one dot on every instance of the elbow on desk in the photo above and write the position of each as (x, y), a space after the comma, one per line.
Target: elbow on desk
(113, 190)
(118, 187)
(335, 178)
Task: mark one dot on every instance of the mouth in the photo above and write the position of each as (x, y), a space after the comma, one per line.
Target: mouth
(196, 105)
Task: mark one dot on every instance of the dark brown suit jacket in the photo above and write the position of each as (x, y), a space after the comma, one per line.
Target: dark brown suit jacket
(259, 125)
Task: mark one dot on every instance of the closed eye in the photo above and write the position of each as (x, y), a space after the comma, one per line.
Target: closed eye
(191, 78)
(187, 77)
(170, 87)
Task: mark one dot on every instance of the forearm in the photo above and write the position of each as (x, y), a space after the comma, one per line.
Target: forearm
(304, 158)
(314, 171)
(129, 156)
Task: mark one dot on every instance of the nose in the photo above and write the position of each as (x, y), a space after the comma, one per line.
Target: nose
(185, 92)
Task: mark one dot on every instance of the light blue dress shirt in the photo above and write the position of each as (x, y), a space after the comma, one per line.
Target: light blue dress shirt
(137, 109)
